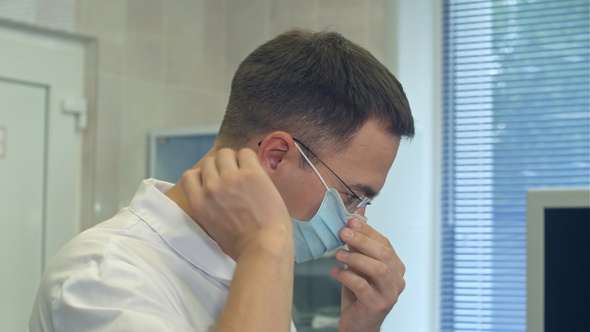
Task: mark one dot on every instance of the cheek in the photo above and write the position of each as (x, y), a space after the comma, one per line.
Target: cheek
(309, 208)
(302, 198)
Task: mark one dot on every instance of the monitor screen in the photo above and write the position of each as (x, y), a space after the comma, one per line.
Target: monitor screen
(558, 260)
(567, 269)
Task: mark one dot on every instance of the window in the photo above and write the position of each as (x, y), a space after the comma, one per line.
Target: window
(516, 117)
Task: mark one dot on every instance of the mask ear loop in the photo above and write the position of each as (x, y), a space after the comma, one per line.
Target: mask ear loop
(312, 166)
(354, 215)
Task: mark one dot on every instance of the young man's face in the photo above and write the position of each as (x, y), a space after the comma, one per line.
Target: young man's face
(363, 166)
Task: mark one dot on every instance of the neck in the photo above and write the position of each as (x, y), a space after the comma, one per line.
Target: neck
(178, 196)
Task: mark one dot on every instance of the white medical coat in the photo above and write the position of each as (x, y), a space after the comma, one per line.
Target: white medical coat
(149, 268)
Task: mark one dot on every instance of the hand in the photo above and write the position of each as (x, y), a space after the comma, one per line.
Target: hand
(235, 202)
(373, 280)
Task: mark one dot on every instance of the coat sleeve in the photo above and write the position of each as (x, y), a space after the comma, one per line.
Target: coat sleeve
(114, 296)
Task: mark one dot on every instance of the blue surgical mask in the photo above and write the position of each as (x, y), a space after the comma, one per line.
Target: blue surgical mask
(320, 234)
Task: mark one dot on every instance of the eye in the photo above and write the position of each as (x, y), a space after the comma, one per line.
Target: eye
(347, 198)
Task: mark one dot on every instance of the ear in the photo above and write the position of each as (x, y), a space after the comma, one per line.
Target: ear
(277, 150)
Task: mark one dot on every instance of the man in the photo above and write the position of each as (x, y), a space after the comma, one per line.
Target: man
(311, 130)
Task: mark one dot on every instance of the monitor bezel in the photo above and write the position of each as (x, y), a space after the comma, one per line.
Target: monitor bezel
(538, 201)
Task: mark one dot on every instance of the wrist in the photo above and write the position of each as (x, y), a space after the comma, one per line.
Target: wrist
(275, 242)
(363, 330)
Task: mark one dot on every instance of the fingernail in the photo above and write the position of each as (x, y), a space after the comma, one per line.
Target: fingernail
(355, 224)
(347, 233)
(335, 269)
(342, 253)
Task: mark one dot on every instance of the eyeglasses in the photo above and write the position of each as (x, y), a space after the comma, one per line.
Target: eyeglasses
(355, 202)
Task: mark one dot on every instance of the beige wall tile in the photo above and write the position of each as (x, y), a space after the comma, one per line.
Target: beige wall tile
(106, 20)
(145, 39)
(348, 17)
(376, 29)
(195, 43)
(247, 28)
(19, 10)
(289, 14)
(214, 76)
(112, 56)
(108, 140)
(151, 106)
(184, 30)
(60, 15)
(169, 63)
(144, 109)
(191, 107)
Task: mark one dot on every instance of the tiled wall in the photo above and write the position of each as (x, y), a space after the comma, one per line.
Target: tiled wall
(169, 63)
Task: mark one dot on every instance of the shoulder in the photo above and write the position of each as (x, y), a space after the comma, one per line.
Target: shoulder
(113, 295)
(120, 238)
(102, 271)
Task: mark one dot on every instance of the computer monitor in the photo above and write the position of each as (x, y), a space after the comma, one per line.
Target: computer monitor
(558, 260)
(173, 151)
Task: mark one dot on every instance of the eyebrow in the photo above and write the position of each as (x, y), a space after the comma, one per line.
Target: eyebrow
(360, 187)
(365, 189)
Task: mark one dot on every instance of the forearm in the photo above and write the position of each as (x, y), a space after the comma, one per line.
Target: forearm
(261, 292)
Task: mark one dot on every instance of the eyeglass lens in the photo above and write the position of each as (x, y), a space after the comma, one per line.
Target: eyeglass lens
(357, 204)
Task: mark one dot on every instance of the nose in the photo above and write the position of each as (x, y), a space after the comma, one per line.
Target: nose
(360, 211)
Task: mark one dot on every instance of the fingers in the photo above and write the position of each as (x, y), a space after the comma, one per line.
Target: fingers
(248, 159)
(367, 230)
(226, 162)
(374, 269)
(385, 277)
(366, 294)
(209, 172)
(204, 180)
(191, 178)
(191, 184)
(363, 238)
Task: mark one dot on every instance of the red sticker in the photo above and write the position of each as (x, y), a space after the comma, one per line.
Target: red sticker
(3, 139)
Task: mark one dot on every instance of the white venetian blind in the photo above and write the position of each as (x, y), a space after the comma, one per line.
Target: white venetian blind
(517, 116)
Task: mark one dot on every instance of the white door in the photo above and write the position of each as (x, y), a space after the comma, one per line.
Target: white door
(22, 166)
(42, 132)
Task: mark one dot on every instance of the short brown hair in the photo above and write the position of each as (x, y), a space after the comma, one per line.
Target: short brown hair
(318, 86)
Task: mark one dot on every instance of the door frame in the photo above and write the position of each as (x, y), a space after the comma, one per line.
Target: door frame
(68, 190)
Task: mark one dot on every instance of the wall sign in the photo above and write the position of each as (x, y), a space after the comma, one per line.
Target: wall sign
(3, 139)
